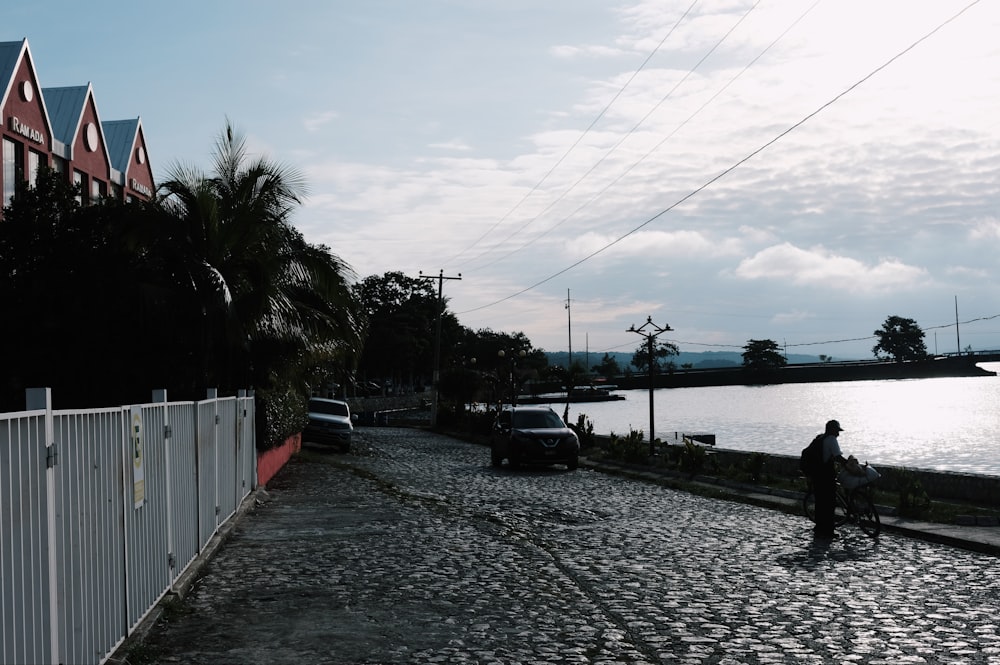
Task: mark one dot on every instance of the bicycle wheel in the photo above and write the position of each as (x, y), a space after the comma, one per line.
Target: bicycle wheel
(867, 515)
(839, 507)
(840, 511)
(809, 504)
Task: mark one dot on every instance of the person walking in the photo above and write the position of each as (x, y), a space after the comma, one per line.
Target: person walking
(825, 482)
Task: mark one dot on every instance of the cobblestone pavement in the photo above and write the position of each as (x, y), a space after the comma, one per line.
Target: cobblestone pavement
(415, 550)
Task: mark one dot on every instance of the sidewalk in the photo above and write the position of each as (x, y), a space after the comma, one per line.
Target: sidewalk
(982, 539)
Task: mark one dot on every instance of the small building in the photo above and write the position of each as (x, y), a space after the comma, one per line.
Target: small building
(61, 128)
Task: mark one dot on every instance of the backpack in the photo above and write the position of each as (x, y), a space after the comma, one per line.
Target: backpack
(811, 461)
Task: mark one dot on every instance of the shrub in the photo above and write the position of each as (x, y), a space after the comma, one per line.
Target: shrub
(692, 457)
(281, 412)
(753, 466)
(584, 429)
(630, 448)
(913, 498)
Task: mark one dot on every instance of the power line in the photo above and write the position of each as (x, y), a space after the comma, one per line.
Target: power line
(711, 181)
(579, 138)
(656, 147)
(938, 327)
(613, 148)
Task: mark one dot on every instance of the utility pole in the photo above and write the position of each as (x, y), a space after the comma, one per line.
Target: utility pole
(569, 325)
(958, 340)
(437, 341)
(650, 335)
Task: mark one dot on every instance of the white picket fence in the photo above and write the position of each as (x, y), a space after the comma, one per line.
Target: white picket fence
(101, 510)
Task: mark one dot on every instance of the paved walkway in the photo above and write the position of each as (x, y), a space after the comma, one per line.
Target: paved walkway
(417, 551)
(984, 539)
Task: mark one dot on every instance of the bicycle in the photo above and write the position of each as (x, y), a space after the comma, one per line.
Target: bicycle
(854, 503)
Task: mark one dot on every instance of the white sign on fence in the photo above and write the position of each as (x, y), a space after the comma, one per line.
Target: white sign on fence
(138, 470)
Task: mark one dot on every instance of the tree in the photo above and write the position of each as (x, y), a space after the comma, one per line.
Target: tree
(486, 344)
(762, 354)
(661, 351)
(271, 304)
(900, 339)
(460, 385)
(608, 367)
(400, 315)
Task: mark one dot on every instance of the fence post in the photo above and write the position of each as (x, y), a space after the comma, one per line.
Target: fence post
(251, 399)
(160, 397)
(247, 433)
(213, 395)
(38, 399)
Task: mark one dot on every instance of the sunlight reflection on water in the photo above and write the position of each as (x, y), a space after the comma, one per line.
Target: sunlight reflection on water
(946, 424)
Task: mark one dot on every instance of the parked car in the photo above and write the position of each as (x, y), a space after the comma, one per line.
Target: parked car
(330, 423)
(533, 435)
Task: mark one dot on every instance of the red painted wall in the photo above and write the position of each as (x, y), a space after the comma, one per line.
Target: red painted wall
(92, 162)
(271, 461)
(28, 113)
(141, 173)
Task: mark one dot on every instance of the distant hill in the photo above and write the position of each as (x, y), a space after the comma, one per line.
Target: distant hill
(698, 360)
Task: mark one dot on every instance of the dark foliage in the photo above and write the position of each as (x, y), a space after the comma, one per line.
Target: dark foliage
(762, 354)
(661, 351)
(94, 321)
(900, 339)
(206, 287)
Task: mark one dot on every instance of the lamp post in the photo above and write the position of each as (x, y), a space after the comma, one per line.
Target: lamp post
(468, 381)
(650, 335)
(501, 354)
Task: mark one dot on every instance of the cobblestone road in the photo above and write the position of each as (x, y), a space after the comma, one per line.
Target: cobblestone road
(419, 552)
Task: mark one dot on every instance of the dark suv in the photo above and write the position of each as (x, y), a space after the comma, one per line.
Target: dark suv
(533, 434)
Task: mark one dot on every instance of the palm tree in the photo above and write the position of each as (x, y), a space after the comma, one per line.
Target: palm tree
(268, 299)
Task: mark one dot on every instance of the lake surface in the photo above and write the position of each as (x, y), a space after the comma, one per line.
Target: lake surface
(948, 424)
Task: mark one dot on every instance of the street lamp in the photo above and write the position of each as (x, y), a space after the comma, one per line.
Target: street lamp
(501, 354)
(650, 336)
(469, 389)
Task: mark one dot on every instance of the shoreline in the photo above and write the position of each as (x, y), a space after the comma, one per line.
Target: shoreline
(951, 366)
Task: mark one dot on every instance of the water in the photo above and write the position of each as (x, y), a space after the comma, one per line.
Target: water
(947, 424)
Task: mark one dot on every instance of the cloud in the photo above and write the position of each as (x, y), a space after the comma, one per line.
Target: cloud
(794, 316)
(454, 144)
(966, 272)
(316, 121)
(790, 264)
(986, 229)
(673, 245)
(566, 51)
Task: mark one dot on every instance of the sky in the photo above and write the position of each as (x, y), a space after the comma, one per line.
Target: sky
(792, 170)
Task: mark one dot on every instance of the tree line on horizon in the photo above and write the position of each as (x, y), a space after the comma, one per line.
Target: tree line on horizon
(899, 340)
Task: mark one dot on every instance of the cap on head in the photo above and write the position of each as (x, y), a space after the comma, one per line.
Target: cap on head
(833, 426)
